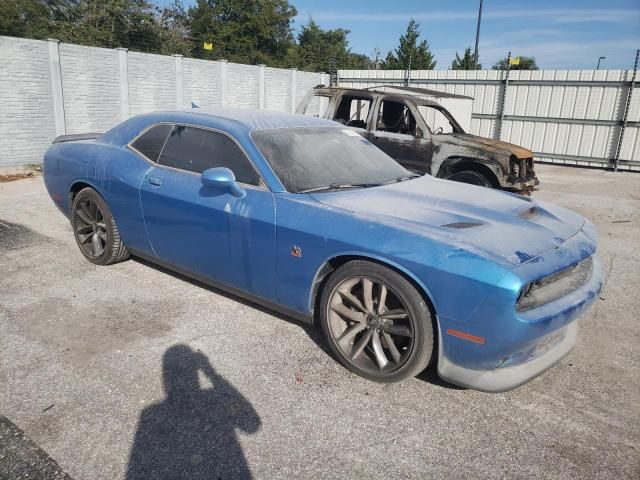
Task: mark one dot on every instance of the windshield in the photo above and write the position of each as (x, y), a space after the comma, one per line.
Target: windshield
(439, 121)
(319, 158)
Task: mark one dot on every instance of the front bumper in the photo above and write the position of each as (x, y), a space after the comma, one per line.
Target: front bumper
(518, 358)
(508, 378)
(522, 176)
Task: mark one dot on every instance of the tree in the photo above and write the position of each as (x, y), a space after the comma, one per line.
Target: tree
(245, 31)
(38, 19)
(117, 23)
(526, 63)
(174, 30)
(410, 53)
(467, 62)
(319, 50)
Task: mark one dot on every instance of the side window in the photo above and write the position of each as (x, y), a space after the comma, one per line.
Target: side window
(353, 111)
(396, 117)
(195, 149)
(317, 106)
(435, 119)
(151, 142)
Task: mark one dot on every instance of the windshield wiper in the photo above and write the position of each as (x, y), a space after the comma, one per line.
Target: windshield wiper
(339, 186)
(403, 178)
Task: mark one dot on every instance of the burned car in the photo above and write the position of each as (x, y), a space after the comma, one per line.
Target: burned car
(423, 135)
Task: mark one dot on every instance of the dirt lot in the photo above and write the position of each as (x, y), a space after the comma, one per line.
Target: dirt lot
(98, 366)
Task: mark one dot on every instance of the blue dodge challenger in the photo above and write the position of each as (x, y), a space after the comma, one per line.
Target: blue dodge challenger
(307, 217)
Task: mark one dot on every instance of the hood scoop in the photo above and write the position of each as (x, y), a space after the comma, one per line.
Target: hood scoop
(462, 225)
(529, 213)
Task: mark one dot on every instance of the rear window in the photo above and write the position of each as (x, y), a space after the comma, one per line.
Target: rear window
(318, 106)
(150, 142)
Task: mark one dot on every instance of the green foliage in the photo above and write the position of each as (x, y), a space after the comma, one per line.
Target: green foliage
(323, 50)
(526, 63)
(38, 18)
(467, 61)
(174, 30)
(246, 31)
(410, 53)
(117, 23)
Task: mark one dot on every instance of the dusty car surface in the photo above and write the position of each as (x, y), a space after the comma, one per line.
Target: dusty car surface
(306, 216)
(423, 136)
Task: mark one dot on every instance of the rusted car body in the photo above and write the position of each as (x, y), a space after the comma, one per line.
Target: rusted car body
(423, 136)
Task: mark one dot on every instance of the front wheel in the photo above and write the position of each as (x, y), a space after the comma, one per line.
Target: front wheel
(471, 177)
(376, 322)
(95, 229)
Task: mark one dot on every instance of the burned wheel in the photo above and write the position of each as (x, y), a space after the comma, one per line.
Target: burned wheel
(95, 229)
(376, 322)
(471, 177)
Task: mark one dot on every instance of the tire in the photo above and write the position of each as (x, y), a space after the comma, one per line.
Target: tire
(342, 312)
(95, 229)
(471, 177)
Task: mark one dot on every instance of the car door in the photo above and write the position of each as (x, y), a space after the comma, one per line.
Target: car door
(208, 231)
(396, 132)
(439, 123)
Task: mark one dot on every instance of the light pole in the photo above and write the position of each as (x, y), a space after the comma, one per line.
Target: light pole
(475, 52)
(600, 58)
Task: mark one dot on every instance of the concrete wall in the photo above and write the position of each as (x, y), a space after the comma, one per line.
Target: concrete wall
(564, 116)
(27, 123)
(49, 88)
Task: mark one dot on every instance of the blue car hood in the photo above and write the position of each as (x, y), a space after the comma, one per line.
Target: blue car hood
(488, 222)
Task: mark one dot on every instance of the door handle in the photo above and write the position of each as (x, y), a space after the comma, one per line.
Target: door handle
(155, 181)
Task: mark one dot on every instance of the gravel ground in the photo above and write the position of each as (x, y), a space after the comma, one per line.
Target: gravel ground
(132, 372)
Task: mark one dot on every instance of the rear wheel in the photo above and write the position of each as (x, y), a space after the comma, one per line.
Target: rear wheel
(95, 229)
(376, 322)
(471, 177)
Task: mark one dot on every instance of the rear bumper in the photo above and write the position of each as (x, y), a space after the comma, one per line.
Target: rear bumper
(508, 378)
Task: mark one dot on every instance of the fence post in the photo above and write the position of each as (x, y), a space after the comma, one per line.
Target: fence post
(504, 98)
(625, 115)
(56, 86)
(179, 95)
(294, 71)
(223, 80)
(261, 86)
(124, 83)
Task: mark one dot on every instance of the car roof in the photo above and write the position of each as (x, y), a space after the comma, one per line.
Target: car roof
(397, 96)
(415, 90)
(263, 119)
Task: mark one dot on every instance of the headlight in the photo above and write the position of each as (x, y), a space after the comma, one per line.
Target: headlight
(554, 286)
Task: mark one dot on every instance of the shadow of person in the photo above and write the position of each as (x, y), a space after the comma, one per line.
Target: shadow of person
(192, 433)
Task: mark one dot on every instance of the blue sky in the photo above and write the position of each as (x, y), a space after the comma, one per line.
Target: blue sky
(559, 33)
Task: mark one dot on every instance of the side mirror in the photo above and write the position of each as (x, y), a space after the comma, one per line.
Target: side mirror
(222, 178)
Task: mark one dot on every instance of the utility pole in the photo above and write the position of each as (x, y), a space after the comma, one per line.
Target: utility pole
(475, 53)
(600, 58)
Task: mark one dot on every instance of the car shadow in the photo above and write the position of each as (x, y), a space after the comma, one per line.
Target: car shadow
(313, 331)
(192, 432)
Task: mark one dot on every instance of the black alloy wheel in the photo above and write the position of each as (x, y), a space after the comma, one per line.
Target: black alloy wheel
(95, 229)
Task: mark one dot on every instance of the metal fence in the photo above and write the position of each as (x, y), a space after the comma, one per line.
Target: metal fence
(574, 117)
